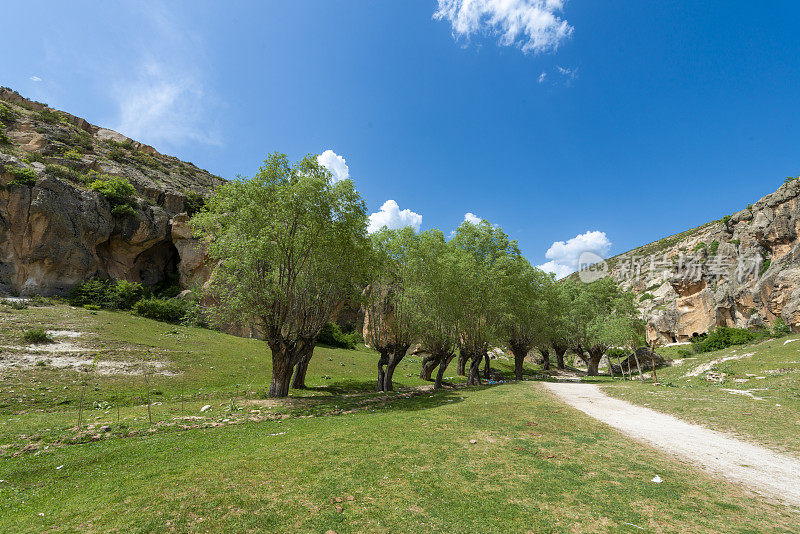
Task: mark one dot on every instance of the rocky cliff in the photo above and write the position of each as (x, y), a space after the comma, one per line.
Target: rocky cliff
(57, 230)
(742, 271)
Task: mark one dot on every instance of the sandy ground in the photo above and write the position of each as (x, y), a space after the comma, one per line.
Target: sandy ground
(762, 470)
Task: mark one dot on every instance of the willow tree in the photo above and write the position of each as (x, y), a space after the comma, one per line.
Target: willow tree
(479, 251)
(390, 325)
(435, 300)
(290, 246)
(528, 308)
(597, 310)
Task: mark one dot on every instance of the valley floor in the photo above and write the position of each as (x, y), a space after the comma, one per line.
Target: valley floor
(218, 457)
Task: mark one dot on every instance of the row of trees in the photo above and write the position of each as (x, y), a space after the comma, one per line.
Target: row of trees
(292, 250)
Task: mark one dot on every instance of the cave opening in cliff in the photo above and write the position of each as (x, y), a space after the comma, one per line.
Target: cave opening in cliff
(157, 265)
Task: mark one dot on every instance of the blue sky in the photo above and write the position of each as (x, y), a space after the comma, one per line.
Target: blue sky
(650, 118)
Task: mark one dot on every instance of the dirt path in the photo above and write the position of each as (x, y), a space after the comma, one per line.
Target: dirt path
(762, 470)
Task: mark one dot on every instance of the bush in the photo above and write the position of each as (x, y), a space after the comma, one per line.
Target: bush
(700, 246)
(166, 310)
(49, 115)
(36, 335)
(726, 220)
(724, 337)
(118, 191)
(122, 210)
(194, 203)
(333, 336)
(73, 154)
(120, 156)
(22, 176)
(646, 296)
(7, 115)
(4, 140)
(764, 266)
(780, 328)
(34, 157)
(120, 295)
(713, 247)
(127, 294)
(64, 172)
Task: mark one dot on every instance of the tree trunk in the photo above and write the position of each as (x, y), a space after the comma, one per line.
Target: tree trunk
(487, 369)
(382, 361)
(639, 367)
(429, 363)
(281, 374)
(545, 360)
(519, 353)
(299, 380)
(474, 377)
(560, 351)
(443, 363)
(462, 364)
(394, 360)
(593, 363)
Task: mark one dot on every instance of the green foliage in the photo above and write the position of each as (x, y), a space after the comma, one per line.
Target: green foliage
(21, 176)
(333, 336)
(120, 156)
(73, 154)
(4, 140)
(735, 242)
(140, 159)
(7, 115)
(646, 296)
(790, 179)
(726, 220)
(122, 210)
(119, 193)
(764, 266)
(49, 115)
(750, 208)
(34, 157)
(700, 246)
(165, 310)
(36, 335)
(66, 173)
(194, 203)
(126, 144)
(724, 337)
(713, 247)
(780, 328)
(106, 294)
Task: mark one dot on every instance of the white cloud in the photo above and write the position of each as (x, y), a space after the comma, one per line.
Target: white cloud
(542, 77)
(161, 95)
(35, 79)
(472, 218)
(533, 26)
(336, 164)
(564, 256)
(569, 73)
(392, 217)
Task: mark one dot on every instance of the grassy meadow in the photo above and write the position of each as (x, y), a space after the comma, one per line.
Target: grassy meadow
(338, 456)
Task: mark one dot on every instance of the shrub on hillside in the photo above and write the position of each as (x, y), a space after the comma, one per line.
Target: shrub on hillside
(713, 247)
(7, 115)
(194, 203)
(780, 328)
(166, 310)
(333, 336)
(4, 140)
(646, 296)
(36, 335)
(724, 337)
(22, 176)
(118, 191)
(64, 172)
(49, 115)
(119, 295)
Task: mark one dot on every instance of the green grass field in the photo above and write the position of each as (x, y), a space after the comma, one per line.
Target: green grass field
(335, 457)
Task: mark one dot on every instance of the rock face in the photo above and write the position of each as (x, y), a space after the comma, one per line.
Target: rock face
(56, 231)
(741, 271)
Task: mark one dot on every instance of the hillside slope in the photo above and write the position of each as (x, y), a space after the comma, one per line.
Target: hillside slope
(742, 271)
(56, 230)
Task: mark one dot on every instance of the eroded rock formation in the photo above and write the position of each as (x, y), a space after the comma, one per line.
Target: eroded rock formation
(56, 231)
